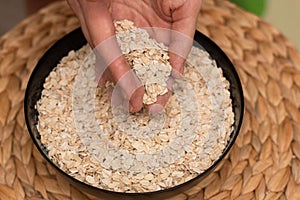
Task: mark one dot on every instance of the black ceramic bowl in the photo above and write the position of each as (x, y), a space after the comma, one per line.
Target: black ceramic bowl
(76, 40)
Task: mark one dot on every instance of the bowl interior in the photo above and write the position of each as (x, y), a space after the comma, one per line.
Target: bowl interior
(74, 41)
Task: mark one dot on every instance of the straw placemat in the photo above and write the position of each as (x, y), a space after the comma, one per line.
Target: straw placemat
(263, 164)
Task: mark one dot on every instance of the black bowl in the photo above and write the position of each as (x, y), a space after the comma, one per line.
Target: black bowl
(74, 41)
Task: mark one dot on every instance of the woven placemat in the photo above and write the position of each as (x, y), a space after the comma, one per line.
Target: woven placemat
(264, 162)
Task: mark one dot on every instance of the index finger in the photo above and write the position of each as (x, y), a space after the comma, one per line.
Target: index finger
(183, 30)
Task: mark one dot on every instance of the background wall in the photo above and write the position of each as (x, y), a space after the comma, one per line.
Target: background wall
(11, 12)
(285, 16)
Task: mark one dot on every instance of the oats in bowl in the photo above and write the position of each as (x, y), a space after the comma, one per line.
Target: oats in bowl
(109, 148)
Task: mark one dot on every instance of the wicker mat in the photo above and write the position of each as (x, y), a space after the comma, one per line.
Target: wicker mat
(264, 162)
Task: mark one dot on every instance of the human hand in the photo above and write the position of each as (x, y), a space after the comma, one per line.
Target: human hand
(96, 19)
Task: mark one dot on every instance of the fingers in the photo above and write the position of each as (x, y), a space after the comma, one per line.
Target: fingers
(183, 30)
(74, 4)
(132, 90)
(177, 63)
(136, 100)
(179, 49)
(128, 90)
(106, 46)
(104, 78)
(181, 40)
(97, 19)
(97, 25)
(159, 105)
(98, 28)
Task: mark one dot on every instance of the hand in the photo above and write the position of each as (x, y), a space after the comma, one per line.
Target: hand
(179, 16)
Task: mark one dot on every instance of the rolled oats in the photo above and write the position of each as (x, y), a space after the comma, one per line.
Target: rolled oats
(109, 148)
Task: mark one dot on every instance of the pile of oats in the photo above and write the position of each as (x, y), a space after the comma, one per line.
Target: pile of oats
(107, 147)
(148, 58)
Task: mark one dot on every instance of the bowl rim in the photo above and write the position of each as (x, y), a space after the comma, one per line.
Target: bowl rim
(203, 41)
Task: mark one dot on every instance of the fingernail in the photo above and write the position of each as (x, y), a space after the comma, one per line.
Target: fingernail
(155, 108)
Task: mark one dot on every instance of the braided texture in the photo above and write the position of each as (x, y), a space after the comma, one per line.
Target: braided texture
(264, 163)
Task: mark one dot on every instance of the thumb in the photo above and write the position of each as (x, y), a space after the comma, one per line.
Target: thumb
(128, 84)
(179, 49)
(182, 34)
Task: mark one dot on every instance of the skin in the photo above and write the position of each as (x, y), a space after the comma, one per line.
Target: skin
(177, 17)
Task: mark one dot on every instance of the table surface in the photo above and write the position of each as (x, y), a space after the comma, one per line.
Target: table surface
(264, 162)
